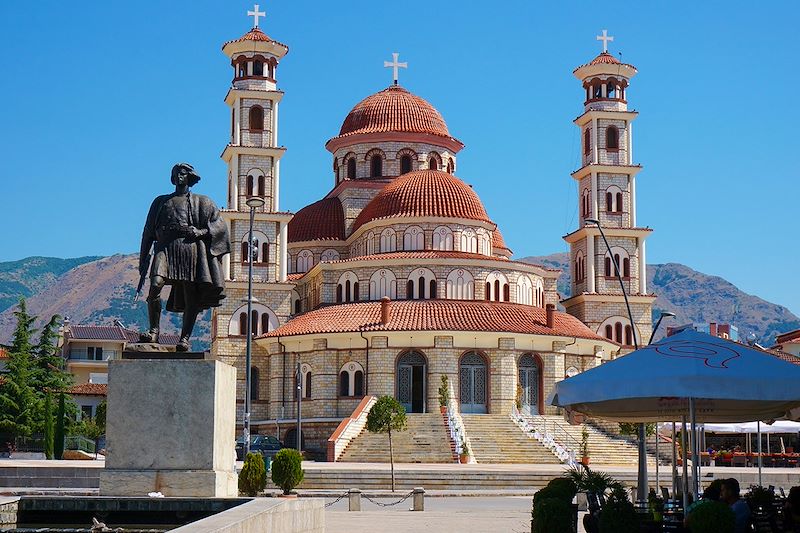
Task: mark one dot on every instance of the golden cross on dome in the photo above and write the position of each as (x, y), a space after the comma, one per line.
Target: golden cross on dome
(395, 65)
(256, 14)
(606, 38)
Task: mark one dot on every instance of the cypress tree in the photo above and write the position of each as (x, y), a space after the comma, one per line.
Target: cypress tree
(48, 427)
(18, 401)
(58, 445)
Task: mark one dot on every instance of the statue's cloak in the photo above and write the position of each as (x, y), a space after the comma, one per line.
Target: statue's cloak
(206, 262)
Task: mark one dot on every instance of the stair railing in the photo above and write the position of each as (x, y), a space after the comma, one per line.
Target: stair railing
(455, 424)
(550, 433)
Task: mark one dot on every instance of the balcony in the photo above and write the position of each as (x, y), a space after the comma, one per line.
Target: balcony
(92, 355)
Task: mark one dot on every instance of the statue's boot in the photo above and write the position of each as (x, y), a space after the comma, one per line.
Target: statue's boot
(154, 317)
(189, 319)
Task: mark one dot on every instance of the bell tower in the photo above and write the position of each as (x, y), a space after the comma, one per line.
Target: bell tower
(253, 156)
(607, 193)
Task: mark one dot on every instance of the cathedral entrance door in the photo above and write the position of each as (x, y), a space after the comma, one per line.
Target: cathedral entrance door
(472, 386)
(411, 373)
(529, 385)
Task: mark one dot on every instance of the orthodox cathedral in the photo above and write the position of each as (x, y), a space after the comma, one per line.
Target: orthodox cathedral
(399, 276)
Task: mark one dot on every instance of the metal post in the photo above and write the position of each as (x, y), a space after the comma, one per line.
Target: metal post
(249, 341)
(657, 461)
(685, 488)
(760, 459)
(299, 407)
(695, 449)
(674, 463)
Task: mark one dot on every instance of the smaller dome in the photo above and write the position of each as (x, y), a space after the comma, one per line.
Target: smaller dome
(320, 221)
(424, 193)
(394, 109)
(256, 35)
(604, 59)
(499, 244)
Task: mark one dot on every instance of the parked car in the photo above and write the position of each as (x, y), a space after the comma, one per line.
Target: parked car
(267, 445)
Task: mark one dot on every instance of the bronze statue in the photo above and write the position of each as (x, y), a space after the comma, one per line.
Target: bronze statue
(188, 238)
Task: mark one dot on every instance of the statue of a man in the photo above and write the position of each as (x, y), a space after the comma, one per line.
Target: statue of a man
(188, 238)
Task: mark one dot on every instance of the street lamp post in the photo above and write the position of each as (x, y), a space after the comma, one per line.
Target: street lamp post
(253, 203)
(641, 484)
(662, 316)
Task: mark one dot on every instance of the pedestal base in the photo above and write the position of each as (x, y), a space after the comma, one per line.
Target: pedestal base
(179, 483)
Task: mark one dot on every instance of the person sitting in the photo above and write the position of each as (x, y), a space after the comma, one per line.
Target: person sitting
(711, 494)
(729, 494)
(791, 511)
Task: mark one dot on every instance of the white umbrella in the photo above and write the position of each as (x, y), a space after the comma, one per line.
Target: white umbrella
(779, 426)
(708, 378)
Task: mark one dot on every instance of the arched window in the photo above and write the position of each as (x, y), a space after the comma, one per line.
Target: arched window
(506, 293)
(388, 240)
(587, 141)
(434, 161)
(254, 322)
(262, 320)
(383, 283)
(618, 329)
(626, 268)
(419, 282)
(262, 186)
(616, 264)
(305, 260)
(264, 323)
(370, 243)
(432, 292)
(298, 306)
(524, 290)
(607, 265)
(618, 332)
(256, 118)
(254, 383)
(258, 68)
(460, 285)
(339, 290)
(351, 168)
(351, 379)
(414, 238)
(305, 383)
(265, 257)
(347, 288)
(611, 89)
(249, 186)
(620, 257)
(450, 166)
(405, 164)
(612, 137)
(487, 295)
(336, 169)
(469, 241)
(409, 290)
(539, 292)
(614, 199)
(243, 323)
(376, 166)
(443, 238)
(329, 255)
(619, 202)
(271, 68)
(586, 204)
(497, 287)
(628, 336)
(609, 332)
(609, 202)
(242, 69)
(597, 89)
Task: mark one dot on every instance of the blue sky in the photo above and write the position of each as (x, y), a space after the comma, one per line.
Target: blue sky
(99, 99)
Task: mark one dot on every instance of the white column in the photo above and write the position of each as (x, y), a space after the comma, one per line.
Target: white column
(594, 141)
(226, 266)
(632, 199)
(235, 168)
(642, 267)
(237, 122)
(629, 131)
(595, 206)
(590, 263)
(276, 182)
(275, 124)
(284, 257)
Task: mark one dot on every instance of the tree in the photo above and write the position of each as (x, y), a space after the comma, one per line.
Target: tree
(18, 402)
(287, 469)
(385, 416)
(58, 445)
(253, 477)
(48, 427)
(47, 368)
(100, 415)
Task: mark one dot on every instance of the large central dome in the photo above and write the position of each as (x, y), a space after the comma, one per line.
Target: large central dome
(424, 193)
(394, 109)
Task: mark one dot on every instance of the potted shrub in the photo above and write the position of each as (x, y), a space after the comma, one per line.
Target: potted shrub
(463, 457)
(553, 510)
(585, 447)
(253, 477)
(287, 470)
(712, 517)
(618, 515)
(444, 394)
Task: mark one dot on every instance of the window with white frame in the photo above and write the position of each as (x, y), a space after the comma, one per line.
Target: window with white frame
(383, 283)
(351, 379)
(305, 260)
(443, 238)
(460, 285)
(388, 240)
(413, 238)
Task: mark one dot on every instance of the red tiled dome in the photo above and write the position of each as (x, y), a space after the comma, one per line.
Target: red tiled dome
(604, 58)
(320, 221)
(424, 193)
(394, 109)
(255, 35)
(498, 243)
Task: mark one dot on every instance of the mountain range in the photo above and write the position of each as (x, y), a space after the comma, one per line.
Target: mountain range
(101, 290)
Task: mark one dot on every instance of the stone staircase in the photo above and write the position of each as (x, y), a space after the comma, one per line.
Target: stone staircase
(425, 440)
(496, 439)
(604, 448)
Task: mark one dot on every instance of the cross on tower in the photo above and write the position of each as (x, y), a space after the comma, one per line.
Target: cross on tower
(606, 38)
(395, 65)
(256, 14)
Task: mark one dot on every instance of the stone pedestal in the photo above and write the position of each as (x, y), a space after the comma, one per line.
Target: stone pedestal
(170, 428)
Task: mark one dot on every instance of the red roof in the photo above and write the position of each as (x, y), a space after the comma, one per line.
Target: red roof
(790, 336)
(605, 59)
(424, 193)
(255, 35)
(114, 333)
(498, 241)
(320, 221)
(394, 109)
(434, 315)
(437, 254)
(89, 389)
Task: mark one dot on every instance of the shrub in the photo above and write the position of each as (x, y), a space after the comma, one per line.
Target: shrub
(253, 477)
(565, 487)
(287, 470)
(712, 517)
(618, 514)
(444, 392)
(552, 515)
